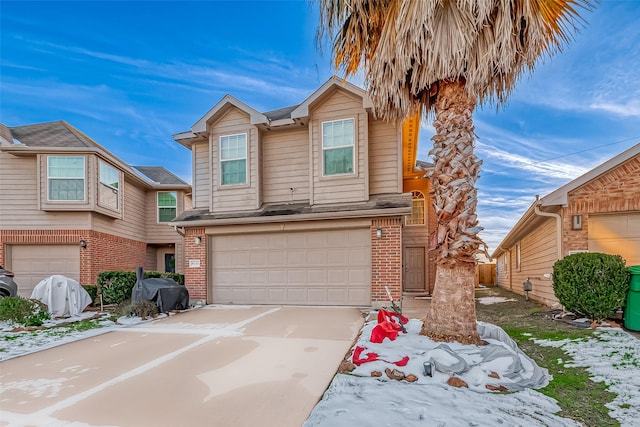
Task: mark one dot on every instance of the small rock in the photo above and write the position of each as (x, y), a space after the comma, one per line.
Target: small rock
(457, 382)
(494, 374)
(376, 374)
(496, 387)
(395, 374)
(346, 366)
(411, 378)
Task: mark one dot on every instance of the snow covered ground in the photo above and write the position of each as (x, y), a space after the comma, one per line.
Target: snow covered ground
(612, 356)
(56, 332)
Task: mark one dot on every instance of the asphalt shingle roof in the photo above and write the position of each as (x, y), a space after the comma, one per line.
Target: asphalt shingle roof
(51, 134)
(159, 175)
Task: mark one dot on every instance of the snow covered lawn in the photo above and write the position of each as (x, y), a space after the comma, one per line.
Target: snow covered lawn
(357, 398)
(56, 332)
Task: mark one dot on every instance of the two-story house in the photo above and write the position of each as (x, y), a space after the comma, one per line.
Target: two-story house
(68, 206)
(304, 204)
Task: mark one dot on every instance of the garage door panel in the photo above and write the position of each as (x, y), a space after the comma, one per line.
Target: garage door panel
(277, 259)
(617, 234)
(297, 258)
(300, 267)
(32, 263)
(316, 276)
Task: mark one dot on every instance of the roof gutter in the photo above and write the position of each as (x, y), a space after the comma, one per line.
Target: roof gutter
(558, 218)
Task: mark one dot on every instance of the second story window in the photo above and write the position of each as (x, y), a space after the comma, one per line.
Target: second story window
(233, 159)
(65, 178)
(167, 205)
(417, 216)
(338, 142)
(109, 187)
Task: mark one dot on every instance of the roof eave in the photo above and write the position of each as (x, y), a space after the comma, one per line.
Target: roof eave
(369, 213)
(560, 197)
(303, 109)
(256, 117)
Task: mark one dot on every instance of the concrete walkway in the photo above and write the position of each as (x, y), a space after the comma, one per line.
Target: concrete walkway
(216, 366)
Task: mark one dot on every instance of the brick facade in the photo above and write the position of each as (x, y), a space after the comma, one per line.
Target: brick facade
(615, 191)
(104, 252)
(195, 278)
(386, 260)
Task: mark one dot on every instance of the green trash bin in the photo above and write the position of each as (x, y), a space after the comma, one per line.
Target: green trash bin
(632, 310)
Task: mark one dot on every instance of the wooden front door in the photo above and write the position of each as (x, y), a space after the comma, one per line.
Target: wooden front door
(414, 271)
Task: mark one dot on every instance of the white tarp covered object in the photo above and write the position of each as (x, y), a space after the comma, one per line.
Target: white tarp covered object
(63, 296)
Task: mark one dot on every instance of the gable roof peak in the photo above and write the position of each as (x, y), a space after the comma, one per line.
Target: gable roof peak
(221, 106)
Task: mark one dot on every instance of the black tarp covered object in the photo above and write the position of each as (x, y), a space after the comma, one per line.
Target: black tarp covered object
(167, 294)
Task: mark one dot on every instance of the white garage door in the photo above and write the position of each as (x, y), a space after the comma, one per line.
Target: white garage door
(32, 263)
(329, 267)
(617, 234)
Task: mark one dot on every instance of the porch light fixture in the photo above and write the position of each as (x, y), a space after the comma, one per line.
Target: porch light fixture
(379, 233)
(197, 240)
(83, 244)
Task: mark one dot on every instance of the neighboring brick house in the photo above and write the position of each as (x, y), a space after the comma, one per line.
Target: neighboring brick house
(68, 206)
(304, 204)
(597, 212)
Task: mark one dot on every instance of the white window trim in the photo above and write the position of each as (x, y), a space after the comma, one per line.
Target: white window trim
(518, 265)
(246, 160)
(84, 179)
(354, 159)
(117, 190)
(158, 206)
(424, 211)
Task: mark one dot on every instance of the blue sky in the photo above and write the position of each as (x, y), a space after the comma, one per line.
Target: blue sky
(132, 74)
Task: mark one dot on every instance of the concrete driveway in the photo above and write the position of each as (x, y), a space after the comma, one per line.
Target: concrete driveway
(215, 366)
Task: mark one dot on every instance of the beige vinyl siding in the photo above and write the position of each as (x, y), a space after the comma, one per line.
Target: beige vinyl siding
(538, 253)
(19, 199)
(132, 224)
(346, 188)
(201, 176)
(384, 164)
(161, 232)
(503, 271)
(285, 166)
(239, 197)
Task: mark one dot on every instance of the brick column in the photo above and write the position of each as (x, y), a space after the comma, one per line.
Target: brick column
(195, 278)
(386, 260)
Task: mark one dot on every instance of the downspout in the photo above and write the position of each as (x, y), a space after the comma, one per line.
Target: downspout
(558, 218)
(179, 230)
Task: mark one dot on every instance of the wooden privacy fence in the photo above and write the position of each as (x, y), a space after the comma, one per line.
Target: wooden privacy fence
(486, 274)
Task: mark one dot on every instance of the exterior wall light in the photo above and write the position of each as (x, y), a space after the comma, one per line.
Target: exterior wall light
(379, 233)
(83, 244)
(197, 240)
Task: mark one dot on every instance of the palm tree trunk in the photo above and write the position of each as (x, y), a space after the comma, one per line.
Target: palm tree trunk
(452, 315)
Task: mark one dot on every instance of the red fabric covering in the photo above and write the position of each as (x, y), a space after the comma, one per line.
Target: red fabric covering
(384, 330)
(387, 326)
(371, 357)
(389, 315)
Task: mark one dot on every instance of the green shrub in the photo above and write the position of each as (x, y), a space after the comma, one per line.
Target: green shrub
(28, 312)
(179, 278)
(143, 309)
(116, 286)
(92, 290)
(592, 284)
